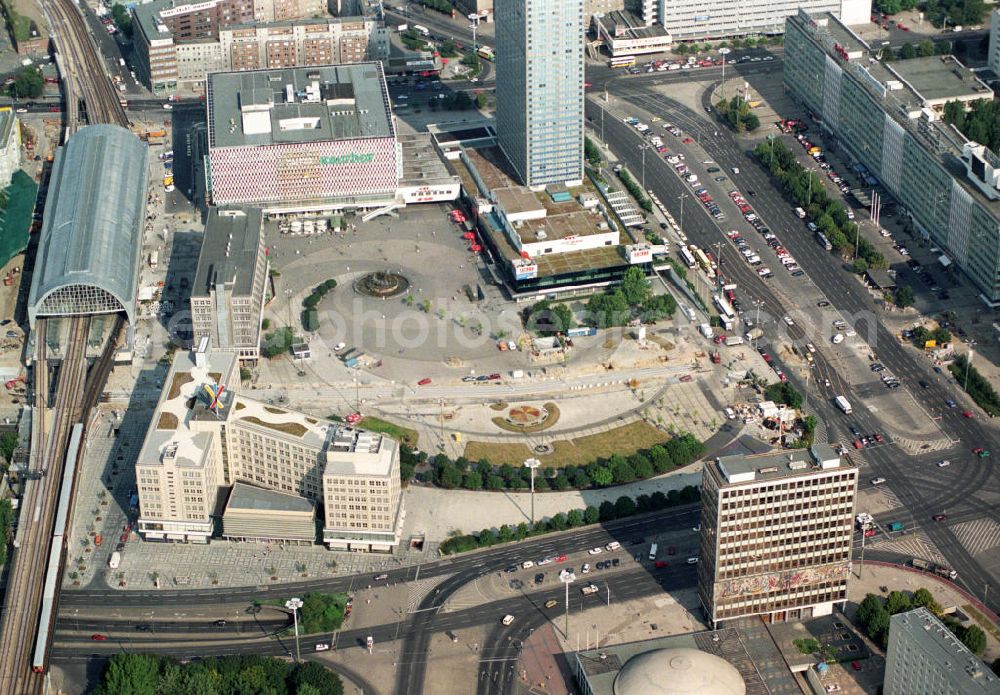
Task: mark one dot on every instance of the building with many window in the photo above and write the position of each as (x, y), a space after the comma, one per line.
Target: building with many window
(776, 532)
(302, 138)
(177, 50)
(926, 658)
(694, 20)
(888, 117)
(993, 54)
(539, 76)
(205, 437)
(227, 296)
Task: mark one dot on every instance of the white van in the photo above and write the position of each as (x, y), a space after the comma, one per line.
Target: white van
(507, 619)
(706, 330)
(801, 213)
(878, 481)
(613, 545)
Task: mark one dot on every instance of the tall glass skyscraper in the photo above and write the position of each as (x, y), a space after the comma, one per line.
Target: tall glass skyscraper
(539, 78)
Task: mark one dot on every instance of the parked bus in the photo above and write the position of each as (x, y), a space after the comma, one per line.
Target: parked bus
(622, 62)
(726, 313)
(823, 241)
(423, 31)
(486, 53)
(703, 261)
(687, 257)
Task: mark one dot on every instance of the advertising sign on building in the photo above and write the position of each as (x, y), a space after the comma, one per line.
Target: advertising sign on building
(639, 253)
(524, 268)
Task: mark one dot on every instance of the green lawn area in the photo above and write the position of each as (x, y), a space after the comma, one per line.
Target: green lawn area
(397, 432)
(623, 440)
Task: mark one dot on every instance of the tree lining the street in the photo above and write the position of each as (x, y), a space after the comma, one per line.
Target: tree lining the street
(805, 189)
(621, 508)
(130, 673)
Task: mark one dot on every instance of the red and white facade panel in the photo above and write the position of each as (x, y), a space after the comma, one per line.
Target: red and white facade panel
(357, 169)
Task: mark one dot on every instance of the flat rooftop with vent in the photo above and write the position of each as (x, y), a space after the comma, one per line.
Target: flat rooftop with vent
(293, 105)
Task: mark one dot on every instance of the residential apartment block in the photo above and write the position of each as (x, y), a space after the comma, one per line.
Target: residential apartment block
(888, 117)
(539, 66)
(776, 535)
(176, 51)
(688, 20)
(925, 658)
(205, 437)
(227, 296)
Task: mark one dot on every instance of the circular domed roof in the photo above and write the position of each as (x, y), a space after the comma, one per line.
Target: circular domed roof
(678, 672)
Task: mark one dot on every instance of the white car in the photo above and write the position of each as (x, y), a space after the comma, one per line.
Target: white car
(168, 107)
(527, 564)
(788, 320)
(736, 170)
(22, 110)
(586, 568)
(545, 561)
(322, 647)
(942, 464)
(838, 338)
(613, 545)
(507, 619)
(339, 346)
(596, 551)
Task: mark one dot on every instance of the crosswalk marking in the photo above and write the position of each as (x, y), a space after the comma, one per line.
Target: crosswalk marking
(978, 536)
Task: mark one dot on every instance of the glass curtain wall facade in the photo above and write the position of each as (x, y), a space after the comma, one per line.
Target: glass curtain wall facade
(540, 88)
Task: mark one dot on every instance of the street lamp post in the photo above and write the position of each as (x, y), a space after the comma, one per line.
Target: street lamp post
(294, 604)
(567, 579)
(474, 25)
(968, 365)
(531, 465)
(724, 52)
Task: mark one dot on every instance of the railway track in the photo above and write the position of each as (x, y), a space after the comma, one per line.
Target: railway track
(86, 71)
(19, 620)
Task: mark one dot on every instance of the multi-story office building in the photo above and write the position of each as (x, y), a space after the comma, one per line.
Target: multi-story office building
(888, 117)
(302, 138)
(539, 67)
(227, 296)
(205, 437)
(361, 490)
(171, 55)
(776, 533)
(695, 20)
(925, 658)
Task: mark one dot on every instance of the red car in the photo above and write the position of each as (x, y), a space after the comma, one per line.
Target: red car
(719, 339)
(686, 378)
(687, 141)
(856, 665)
(494, 376)
(967, 413)
(561, 558)
(98, 637)
(424, 382)
(660, 564)
(587, 84)
(870, 532)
